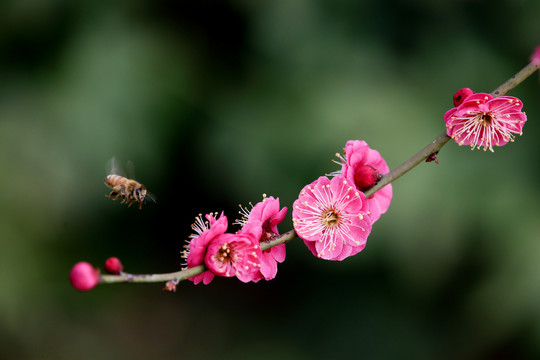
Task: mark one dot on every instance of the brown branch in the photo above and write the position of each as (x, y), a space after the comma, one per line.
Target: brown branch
(386, 179)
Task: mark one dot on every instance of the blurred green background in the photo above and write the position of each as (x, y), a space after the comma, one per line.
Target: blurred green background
(217, 102)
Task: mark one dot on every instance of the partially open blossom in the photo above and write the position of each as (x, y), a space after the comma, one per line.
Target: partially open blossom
(234, 255)
(461, 95)
(363, 167)
(535, 57)
(195, 251)
(484, 121)
(84, 276)
(267, 214)
(332, 217)
(113, 266)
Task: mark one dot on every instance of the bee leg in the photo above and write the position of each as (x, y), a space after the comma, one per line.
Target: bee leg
(111, 195)
(140, 205)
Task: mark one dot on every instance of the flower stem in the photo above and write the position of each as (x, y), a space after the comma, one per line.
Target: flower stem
(148, 278)
(386, 179)
(515, 80)
(278, 240)
(442, 139)
(184, 274)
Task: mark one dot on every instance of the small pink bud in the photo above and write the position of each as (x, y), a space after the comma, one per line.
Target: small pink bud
(366, 176)
(461, 95)
(433, 157)
(535, 57)
(170, 286)
(83, 276)
(113, 266)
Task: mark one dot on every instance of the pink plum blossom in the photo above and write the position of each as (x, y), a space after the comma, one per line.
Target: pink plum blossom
(484, 121)
(363, 167)
(267, 215)
(234, 255)
(197, 247)
(332, 217)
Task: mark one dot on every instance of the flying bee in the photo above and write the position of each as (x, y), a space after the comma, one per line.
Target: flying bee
(129, 190)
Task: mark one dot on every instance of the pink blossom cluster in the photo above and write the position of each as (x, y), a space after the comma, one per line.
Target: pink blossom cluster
(482, 121)
(237, 254)
(333, 216)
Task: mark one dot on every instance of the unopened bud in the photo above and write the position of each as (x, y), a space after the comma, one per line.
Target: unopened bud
(113, 266)
(535, 57)
(170, 286)
(461, 95)
(433, 157)
(366, 176)
(83, 276)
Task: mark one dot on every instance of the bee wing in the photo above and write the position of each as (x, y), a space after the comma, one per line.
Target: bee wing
(130, 169)
(113, 167)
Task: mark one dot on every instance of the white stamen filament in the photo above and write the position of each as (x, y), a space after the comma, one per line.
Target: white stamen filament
(488, 129)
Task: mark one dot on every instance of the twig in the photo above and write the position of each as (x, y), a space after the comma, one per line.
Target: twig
(386, 179)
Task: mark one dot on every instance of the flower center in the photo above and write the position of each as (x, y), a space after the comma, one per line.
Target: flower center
(267, 232)
(330, 218)
(224, 253)
(485, 119)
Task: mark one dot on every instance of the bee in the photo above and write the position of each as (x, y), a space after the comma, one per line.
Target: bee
(129, 190)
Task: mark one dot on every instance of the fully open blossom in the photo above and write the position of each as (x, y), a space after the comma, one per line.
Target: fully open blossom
(484, 121)
(332, 217)
(363, 167)
(197, 248)
(234, 255)
(267, 214)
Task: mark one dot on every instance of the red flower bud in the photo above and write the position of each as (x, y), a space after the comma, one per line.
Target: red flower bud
(366, 176)
(84, 276)
(433, 157)
(461, 95)
(113, 266)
